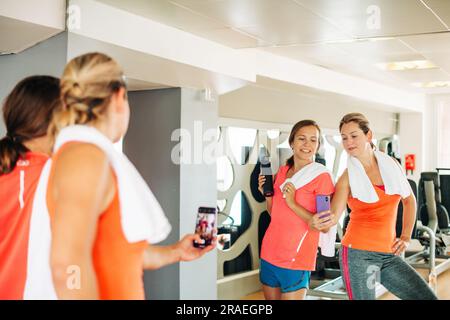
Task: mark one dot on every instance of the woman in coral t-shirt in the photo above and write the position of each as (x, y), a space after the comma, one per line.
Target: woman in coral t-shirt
(290, 244)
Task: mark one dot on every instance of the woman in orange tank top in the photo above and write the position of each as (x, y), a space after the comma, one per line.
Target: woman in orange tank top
(370, 251)
(88, 238)
(23, 152)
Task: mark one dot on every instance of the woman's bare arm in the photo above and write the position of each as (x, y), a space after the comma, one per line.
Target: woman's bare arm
(82, 189)
(340, 197)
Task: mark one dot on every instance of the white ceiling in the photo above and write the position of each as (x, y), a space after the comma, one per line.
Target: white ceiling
(17, 35)
(334, 34)
(147, 72)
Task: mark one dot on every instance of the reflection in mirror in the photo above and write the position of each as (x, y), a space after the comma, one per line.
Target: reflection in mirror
(330, 154)
(221, 204)
(342, 164)
(284, 144)
(218, 134)
(241, 142)
(225, 175)
(236, 208)
(273, 134)
(240, 211)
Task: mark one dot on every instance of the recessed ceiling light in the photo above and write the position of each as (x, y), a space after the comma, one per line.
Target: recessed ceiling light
(406, 65)
(432, 84)
(380, 39)
(358, 40)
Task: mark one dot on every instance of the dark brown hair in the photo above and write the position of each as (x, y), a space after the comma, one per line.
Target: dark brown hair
(360, 120)
(295, 128)
(27, 113)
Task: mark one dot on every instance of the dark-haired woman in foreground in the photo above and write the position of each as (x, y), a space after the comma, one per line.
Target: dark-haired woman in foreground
(27, 112)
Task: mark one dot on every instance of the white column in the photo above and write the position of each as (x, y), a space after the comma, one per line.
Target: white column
(198, 187)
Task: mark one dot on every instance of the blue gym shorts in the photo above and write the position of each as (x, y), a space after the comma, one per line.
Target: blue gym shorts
(286, 279)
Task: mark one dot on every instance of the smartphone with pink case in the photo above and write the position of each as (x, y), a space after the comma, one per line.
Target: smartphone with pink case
(323, 203)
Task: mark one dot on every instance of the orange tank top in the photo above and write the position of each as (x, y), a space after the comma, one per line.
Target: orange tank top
(372, 225)
(118, 264)
(17, 191)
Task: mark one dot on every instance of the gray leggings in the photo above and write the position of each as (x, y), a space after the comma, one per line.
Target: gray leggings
(361, 269)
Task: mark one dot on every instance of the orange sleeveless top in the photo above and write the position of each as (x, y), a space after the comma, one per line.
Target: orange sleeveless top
(372, 225)
(16, 202)
(118, 264)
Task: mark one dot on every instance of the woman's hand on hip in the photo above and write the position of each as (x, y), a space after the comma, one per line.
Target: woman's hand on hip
(400, 245)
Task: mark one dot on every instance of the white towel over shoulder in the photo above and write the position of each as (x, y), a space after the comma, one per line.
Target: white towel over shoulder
(306, 174)
(395, 181)
(301, 178)
(142, 218)
(141, 215)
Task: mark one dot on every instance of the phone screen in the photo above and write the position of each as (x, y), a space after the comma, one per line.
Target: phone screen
(205, 225)
(323, 204)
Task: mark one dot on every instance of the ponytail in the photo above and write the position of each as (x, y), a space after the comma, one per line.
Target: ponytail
(10, 152)
(290, 161)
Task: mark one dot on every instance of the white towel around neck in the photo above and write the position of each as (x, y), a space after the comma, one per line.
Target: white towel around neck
(301, 178)
(142, 217)
(394, 180)
(306, 174)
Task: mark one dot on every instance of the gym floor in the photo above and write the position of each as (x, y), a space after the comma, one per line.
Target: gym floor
(443, 289)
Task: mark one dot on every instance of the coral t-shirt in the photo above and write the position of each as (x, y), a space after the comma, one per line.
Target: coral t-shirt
(288, 242)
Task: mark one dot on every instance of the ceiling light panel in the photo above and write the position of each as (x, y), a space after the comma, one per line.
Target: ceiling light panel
(406, 65)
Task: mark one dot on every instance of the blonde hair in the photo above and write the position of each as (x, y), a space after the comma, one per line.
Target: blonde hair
(360, 120)
(87, 85)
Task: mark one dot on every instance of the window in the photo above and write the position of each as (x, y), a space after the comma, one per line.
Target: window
(330, 154)
(342, 164)
(443, 135)
(241, 142)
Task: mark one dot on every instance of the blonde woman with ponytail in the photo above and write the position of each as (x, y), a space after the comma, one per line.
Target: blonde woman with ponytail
(103, 219)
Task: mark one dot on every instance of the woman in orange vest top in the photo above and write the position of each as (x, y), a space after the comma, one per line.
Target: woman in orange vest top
(23, 152)
(100, 244)
(373, 185)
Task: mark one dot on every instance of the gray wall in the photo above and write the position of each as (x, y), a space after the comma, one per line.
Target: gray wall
(46, 58)
(155, 114)
(180, 188)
